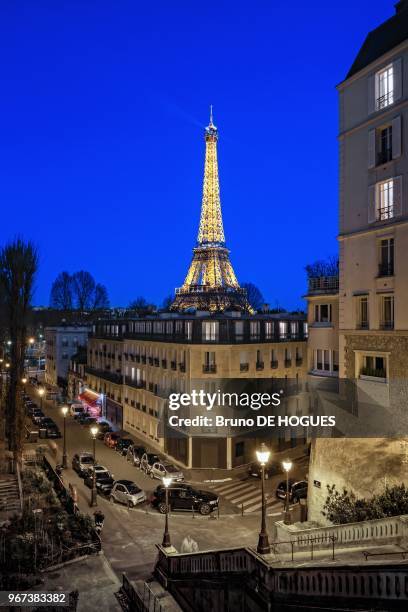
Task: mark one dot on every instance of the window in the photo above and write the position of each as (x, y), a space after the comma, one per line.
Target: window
(385, 200)
(335, 361)
(210, 331)
(374, 366)
(239, 330)
(323, 313)
(239, 449)
(294, 329)
(387, 312)
(385, 145)
(322, 360)
(274, 358)
(255, 330)
(384, 87)
(362, 312)
(268, 330)
(283, 329)
(209, 362)
(305, 330)
(243, 361)
(386, 265)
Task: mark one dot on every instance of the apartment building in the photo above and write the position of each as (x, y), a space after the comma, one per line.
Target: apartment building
(61, 343)
(136, 364)
(373, 241)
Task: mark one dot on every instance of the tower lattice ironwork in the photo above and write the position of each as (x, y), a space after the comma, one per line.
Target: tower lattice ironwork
(211, 283)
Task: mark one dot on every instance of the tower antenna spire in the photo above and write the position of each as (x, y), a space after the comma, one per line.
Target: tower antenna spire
(211, 114)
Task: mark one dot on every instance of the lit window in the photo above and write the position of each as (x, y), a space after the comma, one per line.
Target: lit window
(268, 330)
(255, 330)
(385, 87)
(387, 312)
(210, 331)
(283, 329)
(385, 200)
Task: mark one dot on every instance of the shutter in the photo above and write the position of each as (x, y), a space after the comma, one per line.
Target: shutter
(397, 196)
(396, 137)
(397, 66)
(371, 94)
(371, 204)
(371, 147)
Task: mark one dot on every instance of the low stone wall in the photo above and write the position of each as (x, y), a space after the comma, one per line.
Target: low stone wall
(390, 530)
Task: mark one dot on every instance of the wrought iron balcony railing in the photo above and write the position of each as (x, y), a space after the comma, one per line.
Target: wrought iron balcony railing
(384, 156)
(387, 212)
(209, 368)
(274, 364)
(244, 367)
(259, 365)
(323, 284)
(288, 363)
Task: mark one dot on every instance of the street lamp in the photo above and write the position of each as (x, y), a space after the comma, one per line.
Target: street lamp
(263, 543)
(94, 501)
(24, 381)
(166, 536)
(287, 466)
(64, 411)
(41, 392)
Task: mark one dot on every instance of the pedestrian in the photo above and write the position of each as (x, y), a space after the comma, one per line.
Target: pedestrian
(189, 545)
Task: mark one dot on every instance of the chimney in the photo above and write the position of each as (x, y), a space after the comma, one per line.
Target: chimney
(402, 5)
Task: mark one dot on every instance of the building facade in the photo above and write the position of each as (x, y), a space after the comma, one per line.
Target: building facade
(373, 239)
(61, 343)
(136, 364)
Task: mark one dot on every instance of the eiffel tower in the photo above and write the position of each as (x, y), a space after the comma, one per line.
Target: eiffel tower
(211, 283)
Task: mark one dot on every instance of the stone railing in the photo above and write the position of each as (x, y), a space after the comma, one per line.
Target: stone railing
(302, 584)
(390, 529)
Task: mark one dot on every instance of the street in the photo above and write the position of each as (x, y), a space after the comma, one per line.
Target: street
(129, 536)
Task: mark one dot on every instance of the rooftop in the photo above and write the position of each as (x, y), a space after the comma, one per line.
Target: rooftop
(388, 35)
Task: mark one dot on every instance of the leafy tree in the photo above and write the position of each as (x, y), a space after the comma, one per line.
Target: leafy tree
(62, 292)
(328, 267)
(254, 295)
(141, 306)
(18, 268)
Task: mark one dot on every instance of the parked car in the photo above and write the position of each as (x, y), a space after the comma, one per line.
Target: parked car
(135, 453)
(111, 439)
(271, 469)
(81, 462)
(127, 492)
(89, 421)
(103, 427)
(147, 461)
(297, 490)
(37, 415)
(159, 470)
(76, 410)
(184, 497)
(123, 444)
(103, 479)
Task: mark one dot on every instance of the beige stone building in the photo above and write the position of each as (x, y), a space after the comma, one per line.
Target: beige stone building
(135, 364)
(373, 239)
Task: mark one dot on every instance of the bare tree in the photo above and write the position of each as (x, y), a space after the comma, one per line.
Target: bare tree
(167, 302)
(323, 267)
(141, 306)
(18, 268)
(101, 298)
(84, 290)
(62, 291)
(254, 295)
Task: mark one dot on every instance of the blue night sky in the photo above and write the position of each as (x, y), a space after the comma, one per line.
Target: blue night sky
(102, 110)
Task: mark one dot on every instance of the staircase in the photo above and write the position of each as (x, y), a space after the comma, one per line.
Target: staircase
(9, 495)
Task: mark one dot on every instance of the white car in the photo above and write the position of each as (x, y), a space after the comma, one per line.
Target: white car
(159, 470)
(127, 492)
(76, 409)
(99, 470)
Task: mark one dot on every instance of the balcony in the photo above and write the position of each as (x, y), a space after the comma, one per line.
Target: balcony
(386, 269)
(156, 362)
(383, 157)
(244, 367)
(385, 213)
(106, 375)
(387, 325)
(288, 363)
(259, 365)
(385, 100)
(321, 285)
(274, 364)
(209, 368)
(182, 367)
(299, 361)
(363, 325)
(137, 384)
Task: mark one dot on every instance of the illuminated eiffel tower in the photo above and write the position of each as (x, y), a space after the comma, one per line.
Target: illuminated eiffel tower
(211, 283)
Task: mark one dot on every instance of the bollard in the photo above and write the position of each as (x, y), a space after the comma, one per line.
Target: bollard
(242, 509)
(292, 543)
(218, 510)
(192, 508)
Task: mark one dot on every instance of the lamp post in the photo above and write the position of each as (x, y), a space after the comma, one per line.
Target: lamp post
(24, 381)
(94, 501)
(166, 536)
(263, 543)
(41, 392)
(287, 466)
(64, 411)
